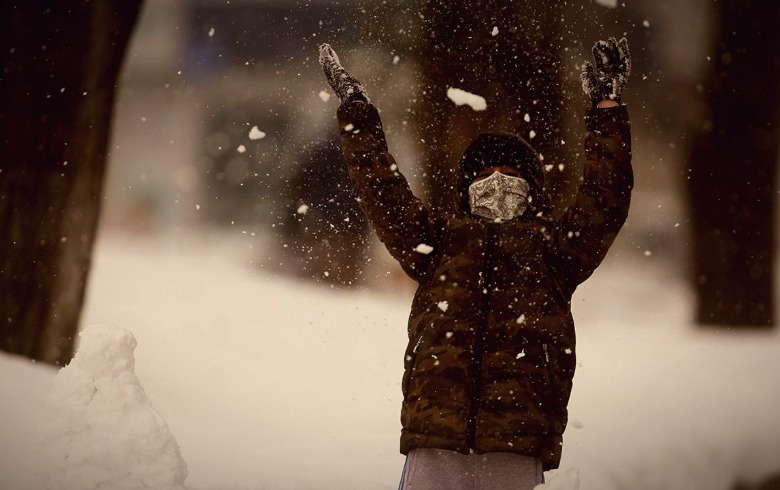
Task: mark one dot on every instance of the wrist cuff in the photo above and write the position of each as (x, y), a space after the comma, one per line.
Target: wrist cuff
(606, 120)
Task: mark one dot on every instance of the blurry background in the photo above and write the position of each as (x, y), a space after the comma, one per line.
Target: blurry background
(200, 75)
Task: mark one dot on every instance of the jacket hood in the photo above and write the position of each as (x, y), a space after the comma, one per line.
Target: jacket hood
(492, 149)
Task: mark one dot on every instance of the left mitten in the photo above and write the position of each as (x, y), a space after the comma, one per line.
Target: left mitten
(347, 87)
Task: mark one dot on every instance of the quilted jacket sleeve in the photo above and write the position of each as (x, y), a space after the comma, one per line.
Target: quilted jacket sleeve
(589, 226)
(400, 220)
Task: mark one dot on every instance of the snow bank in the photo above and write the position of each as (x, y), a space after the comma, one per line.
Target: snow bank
(461, 97)
(101, 430)
(24, 385)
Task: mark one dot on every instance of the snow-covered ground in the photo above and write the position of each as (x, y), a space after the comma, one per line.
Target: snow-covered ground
(270, 383)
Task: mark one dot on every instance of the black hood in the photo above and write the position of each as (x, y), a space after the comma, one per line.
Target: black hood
(492, 149)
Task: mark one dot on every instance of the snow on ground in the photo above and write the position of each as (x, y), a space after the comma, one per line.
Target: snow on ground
(24, 386)
(270, 383)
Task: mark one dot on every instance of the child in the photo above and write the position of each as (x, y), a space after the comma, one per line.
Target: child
(490, 359)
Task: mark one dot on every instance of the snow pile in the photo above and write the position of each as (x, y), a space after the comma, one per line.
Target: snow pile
(461, 97)
(101, 430)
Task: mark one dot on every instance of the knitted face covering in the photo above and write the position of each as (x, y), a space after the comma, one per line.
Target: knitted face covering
(499, 197)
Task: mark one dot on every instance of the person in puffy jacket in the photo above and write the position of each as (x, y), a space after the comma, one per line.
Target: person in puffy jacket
(491, 355)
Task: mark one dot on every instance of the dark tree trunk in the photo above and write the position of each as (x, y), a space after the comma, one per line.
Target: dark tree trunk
(733, 167)
(60, 64)
(517, 71)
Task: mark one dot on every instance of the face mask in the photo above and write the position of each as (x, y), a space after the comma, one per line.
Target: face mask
(499, 197)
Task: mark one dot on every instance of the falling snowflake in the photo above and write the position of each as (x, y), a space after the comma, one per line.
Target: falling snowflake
(423, 249)
(256, 134)
(461, 97)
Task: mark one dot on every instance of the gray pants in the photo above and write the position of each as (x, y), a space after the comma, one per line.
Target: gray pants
(440, 469)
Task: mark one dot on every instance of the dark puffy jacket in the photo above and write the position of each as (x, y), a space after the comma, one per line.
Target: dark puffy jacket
(491, 356)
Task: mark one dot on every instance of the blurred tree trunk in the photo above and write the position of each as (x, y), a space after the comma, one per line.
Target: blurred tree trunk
(517, 71)
(733, 164)
(60, 64)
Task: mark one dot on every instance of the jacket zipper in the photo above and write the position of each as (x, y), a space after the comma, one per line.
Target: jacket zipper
(476, 365)
(557, 284)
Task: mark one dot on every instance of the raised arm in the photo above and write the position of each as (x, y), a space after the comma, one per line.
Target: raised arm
(589, 226)
(400, 220)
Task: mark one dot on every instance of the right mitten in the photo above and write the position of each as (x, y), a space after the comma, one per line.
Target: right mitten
(606, 80)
